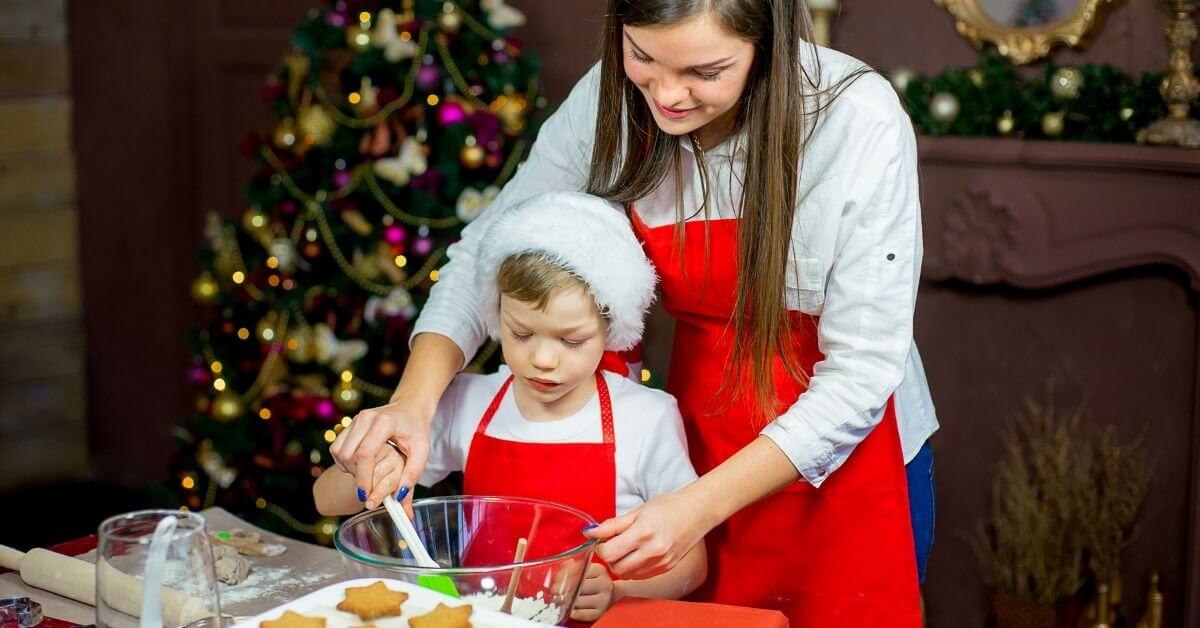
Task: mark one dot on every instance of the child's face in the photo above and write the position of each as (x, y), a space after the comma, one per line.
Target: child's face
(553, 352)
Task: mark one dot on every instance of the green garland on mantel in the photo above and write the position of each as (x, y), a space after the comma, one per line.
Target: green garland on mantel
(1087, 103)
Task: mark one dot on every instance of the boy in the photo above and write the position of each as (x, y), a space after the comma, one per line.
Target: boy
(564, 280)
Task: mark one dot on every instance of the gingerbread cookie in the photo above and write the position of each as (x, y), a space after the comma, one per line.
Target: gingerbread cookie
(444, 617)
(294, 620)
(372, 601)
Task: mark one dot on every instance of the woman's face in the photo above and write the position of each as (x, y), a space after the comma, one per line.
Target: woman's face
(691, 73)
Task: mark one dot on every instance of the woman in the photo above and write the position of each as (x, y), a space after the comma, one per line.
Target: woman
(773, 184)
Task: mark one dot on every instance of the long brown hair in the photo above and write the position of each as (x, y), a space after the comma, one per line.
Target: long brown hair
(632, 156)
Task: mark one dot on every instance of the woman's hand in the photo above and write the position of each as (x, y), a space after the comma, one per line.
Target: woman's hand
(363, 450)
(595, 595)
(654, 537)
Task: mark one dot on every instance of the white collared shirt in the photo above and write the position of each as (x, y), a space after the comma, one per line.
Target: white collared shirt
(855, 260)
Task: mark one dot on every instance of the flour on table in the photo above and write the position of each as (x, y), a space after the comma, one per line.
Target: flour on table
(267, 583)
(526, 607)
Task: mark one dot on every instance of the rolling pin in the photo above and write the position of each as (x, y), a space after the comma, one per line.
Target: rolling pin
(76, 579)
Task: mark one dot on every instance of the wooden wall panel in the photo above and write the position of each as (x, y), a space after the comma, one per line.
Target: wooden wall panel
(41, 341)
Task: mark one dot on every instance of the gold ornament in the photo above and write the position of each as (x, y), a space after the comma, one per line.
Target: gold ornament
(1005, 123)
(255, 221)
(298, 346)
(1066, 82)
(1052, 123)
(944, 107)
(265, 330)
(325, 529)
(450, 20)
(347, 398)
(205, 289)
(366, 265)
(358, 38)
(976, 76)
(284, 135)
(227, 407)
(901, 77)
(298, 65)
(472, 155)
(316, 127)
(511, 111)
(357, 222)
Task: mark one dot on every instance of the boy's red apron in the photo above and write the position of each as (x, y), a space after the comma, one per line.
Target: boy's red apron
(581, 475)
(840, 555)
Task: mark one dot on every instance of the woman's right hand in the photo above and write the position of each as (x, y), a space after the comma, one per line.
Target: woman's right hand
(363, 446)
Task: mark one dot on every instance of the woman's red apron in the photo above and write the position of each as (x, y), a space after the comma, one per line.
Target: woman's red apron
(840, 555)
(581, 475)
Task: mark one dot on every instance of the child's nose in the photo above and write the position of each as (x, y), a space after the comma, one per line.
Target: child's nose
(544, 357)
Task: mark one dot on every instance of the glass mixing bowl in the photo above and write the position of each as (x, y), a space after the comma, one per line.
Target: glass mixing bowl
(474, 540)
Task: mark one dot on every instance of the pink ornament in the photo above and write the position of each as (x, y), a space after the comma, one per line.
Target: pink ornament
(394, 234)
(340, 178)
(423, 246)
(451, 112)
(198, 375)
(428, 77)
(287, 207)
(337, 19)
(324, 410)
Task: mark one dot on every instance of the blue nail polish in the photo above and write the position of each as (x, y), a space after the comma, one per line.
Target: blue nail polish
(362, 495)
(591, 526)
(402, 493)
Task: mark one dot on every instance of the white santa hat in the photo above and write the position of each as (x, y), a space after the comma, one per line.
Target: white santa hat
(587, 236)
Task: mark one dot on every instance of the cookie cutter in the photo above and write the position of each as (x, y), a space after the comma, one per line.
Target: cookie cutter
(19, 612)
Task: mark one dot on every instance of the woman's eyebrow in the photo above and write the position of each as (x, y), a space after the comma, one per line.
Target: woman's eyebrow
(710, 64)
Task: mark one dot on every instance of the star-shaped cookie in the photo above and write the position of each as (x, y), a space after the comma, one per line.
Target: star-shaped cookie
(294, 620)
(443, 617)
(372, 601)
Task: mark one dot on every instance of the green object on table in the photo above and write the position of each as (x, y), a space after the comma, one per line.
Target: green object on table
(441, 584)
(224, 535)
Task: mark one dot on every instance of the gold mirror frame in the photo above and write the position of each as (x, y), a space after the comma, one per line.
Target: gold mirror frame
(1025, 44)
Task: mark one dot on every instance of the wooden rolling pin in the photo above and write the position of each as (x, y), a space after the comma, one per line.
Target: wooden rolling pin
(76, 579)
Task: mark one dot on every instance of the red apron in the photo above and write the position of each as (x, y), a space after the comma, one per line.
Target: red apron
(840, 555)
(581, 475)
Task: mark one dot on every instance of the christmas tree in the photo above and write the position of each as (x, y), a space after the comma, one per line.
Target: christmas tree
(396, 124)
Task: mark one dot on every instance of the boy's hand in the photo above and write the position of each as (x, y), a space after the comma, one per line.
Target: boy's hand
(386, 478)
(595, 596)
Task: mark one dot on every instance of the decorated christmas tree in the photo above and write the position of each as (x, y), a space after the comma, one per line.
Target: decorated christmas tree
(397, 121)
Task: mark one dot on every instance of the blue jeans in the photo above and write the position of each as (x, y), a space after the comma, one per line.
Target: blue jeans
(921, 505)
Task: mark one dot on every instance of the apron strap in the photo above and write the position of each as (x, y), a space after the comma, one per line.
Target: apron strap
(492, 407)
(606, 414)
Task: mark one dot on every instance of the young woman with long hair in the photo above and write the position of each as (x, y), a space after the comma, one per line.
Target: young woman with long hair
(774, 185)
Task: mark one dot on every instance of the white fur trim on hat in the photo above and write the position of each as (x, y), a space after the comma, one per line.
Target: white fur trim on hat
(584, 234)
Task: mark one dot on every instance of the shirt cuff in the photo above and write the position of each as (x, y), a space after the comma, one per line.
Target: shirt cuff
(808, 452)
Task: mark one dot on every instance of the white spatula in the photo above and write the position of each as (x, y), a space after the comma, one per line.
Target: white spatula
(409, 533)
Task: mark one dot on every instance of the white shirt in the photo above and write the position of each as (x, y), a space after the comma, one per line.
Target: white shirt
(651, 447)
(856, 256)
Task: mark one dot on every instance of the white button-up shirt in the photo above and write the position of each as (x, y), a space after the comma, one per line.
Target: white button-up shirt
(855, 259)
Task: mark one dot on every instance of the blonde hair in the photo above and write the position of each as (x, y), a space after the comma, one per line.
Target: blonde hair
(532, 277)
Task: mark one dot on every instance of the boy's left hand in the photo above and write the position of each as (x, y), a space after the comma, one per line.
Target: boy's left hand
(596, 594)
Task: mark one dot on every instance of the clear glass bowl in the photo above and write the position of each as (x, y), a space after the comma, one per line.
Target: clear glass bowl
(474, 539)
